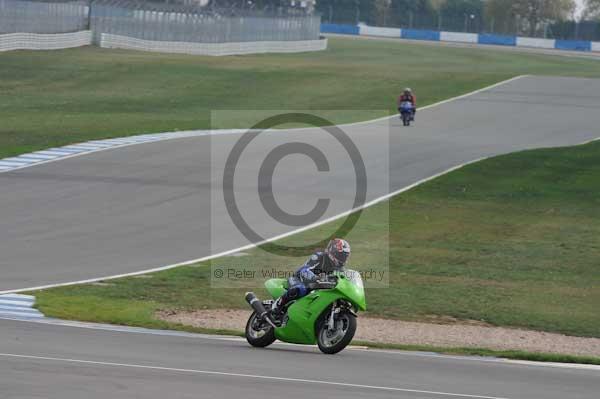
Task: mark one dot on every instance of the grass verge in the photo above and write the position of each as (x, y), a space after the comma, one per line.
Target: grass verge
(53, 98)
(516, 355)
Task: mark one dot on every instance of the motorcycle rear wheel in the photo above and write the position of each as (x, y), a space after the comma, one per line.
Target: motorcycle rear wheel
(332, 342)
(261, 337)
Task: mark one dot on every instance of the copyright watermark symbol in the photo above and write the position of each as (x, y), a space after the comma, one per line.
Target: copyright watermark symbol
(294, 172)
(267, 170)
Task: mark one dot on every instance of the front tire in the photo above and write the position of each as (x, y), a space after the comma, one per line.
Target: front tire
(331, 342)
(259, 333)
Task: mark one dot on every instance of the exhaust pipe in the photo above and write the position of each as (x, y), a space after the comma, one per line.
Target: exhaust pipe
(259, 308)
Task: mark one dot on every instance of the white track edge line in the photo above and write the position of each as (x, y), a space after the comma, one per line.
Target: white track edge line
(167, 136)
(250, 246)
(131, 140)
(229, 338)
(281, 236)
(253, 376)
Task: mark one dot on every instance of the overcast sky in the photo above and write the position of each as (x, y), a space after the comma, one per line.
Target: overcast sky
(580, 4)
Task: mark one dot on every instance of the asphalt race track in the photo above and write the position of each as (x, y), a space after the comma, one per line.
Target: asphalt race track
(47, 361)
(150, 205)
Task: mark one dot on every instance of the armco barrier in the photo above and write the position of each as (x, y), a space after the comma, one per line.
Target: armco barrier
(418, 34)
(458, 37)
(580, 45)
(486, 38)
(340, 29)
(214, 49)
(37, 41)
(365, 30)
(537, 43)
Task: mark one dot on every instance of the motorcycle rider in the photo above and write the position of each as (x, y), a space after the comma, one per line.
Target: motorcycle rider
(407, 95)
(320, 263)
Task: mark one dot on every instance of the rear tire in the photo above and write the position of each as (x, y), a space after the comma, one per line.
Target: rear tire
(332, 342)
(261, 337)
(405, 120)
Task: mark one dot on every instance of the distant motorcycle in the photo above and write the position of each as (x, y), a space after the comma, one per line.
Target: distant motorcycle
(326, 316)
(407, 113)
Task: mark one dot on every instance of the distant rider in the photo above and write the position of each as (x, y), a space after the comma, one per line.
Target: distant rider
(320, 263)
(408, 95)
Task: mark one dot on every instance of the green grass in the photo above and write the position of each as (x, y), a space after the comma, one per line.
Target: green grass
(509, 241)
(516, 355)
(58, 97)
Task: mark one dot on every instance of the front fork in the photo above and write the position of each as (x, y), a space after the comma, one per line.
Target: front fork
(338, 307)
(331, 319)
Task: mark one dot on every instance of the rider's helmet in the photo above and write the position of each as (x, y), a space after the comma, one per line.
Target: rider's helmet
(338, 252)
(407, 91)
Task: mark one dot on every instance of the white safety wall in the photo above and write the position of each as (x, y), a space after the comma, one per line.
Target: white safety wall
(595, 46)
(537, 43)
(215, 49)
(366, 30)
(37, 41)
(458, 37)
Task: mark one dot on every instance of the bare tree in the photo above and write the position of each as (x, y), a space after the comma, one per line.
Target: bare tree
(531, 13)
(437, 4)
(592, 9)
(382, 11)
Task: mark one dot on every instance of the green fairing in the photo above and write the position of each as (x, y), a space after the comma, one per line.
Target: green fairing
(304, 313)
(276, 287)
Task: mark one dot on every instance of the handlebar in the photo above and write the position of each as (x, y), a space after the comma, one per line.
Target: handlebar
(323, 285)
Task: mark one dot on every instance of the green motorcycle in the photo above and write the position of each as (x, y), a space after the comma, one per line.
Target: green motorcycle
(326, 316)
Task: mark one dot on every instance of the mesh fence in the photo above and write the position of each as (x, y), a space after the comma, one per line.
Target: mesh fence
(159, 21)
(200, 24)
(43, 17)
(477, 20)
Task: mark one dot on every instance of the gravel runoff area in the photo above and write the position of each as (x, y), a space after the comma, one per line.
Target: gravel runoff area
(417, 333)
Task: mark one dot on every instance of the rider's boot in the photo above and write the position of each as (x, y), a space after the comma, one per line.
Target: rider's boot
(277, 309)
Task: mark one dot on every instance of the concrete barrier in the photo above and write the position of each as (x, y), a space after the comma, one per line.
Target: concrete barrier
(458, 37)
(213, 49)
(580, 45)
(418, 34)
(499, 40)
(36, 41)
(366, 30)
(596, 46)
(340, 29)
(537, 43)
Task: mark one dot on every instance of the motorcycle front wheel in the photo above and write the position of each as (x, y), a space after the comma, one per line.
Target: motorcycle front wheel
(333, 341)
(259, 333)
